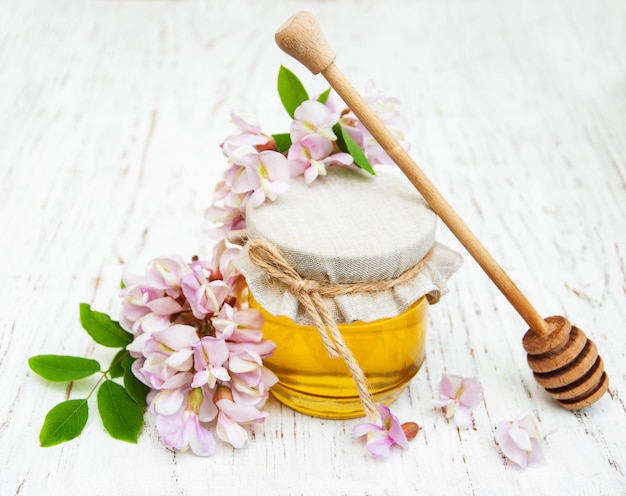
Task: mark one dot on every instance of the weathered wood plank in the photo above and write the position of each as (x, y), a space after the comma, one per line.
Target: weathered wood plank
(111, 114)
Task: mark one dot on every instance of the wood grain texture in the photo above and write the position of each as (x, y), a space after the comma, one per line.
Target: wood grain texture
(111, 114)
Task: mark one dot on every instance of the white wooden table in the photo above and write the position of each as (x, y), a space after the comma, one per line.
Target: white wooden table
(111, 113)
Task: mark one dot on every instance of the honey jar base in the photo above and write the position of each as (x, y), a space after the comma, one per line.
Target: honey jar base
(334, 408)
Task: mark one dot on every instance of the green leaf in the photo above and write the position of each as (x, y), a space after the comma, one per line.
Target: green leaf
(348, 145)
(64, 421)
(62, 368)
(290, 90)
(121, 416)
(323, 98)
(283, 141)
(136, 389)
(116, 369)
(102, 329)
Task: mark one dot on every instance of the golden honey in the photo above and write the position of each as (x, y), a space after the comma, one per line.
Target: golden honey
(389, 351)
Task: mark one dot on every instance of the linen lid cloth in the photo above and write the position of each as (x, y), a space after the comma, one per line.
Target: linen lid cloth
(349, 227)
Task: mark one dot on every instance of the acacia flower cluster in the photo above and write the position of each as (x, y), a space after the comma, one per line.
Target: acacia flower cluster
(198, 350)
(261, 166)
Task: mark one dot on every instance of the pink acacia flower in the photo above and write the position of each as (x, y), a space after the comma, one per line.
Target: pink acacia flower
(148, 301)
(458, 396)
(166, 272)
(165, 356)
(232, 415)
(313, 117)
(205, 297)
(226, 217)
(249, 133)
(312, 154)
(238, 326)
(183, 430)
(253, 176)
(261, 175)
(210, 356)
(387, 109)
(222, 268)
(381, 436)
(520, 441)
(250, 380)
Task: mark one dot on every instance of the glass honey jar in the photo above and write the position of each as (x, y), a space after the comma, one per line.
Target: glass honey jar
(390, 352)
(351, 231)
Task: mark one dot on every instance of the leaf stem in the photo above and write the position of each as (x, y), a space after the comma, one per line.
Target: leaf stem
(115, 362)
(104, 375)
(68, 390)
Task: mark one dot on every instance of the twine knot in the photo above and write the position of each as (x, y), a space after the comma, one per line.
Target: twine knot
(301, 286)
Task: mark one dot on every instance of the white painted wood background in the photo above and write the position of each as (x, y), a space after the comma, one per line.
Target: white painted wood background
(111, 113)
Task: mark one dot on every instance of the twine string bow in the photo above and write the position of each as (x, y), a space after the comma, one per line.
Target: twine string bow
(311, 293)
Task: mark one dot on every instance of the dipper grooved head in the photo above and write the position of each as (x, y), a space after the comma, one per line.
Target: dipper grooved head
(566, 364)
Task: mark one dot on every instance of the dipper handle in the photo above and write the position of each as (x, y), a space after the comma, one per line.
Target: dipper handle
(301, 37)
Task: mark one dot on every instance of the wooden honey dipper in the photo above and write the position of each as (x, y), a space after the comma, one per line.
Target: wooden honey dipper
(561, 357)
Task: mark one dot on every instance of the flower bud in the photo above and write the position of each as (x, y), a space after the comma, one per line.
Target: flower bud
(194, 400)
(223, 393)
(410, 429)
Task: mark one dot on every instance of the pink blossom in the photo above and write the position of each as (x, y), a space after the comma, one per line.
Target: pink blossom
(249, 134)
(334, 103)
(261, 175)
(253, 388)
(134, 309)
(225, 219)
(386, 108)
(231, 415)
(166, 273)
(210, 355)
(145, 308)
(182, 430)
(274, 176)
(160, 302)
(458, 396)
(520, 441)
(223, 268)
(169, 401)
(227, 211)
(382, 435)
(250, 380)
(149, 301)
(313, 117)
(204, 297)
(168, 356)
(239, 325)
(312, 154)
